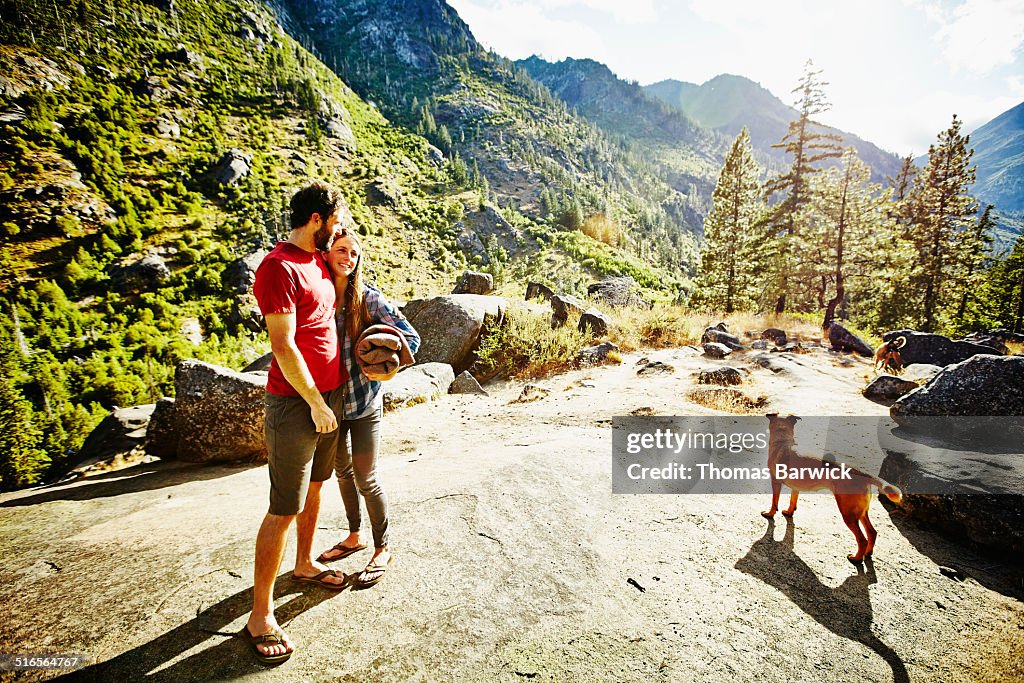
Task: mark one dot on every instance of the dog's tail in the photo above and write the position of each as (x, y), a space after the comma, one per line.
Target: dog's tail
(888, 490)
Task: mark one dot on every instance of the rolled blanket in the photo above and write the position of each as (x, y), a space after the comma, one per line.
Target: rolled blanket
(381, 351)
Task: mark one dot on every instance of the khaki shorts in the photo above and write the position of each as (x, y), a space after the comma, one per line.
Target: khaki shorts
(297, 453)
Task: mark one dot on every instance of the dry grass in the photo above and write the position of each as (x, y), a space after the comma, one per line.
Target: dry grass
(1015, 349)
(525, 346)
(728, 400)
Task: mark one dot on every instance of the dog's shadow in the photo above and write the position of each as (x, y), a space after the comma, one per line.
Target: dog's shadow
(845, 610)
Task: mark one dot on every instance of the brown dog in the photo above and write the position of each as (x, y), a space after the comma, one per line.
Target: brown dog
(851, 487)
(887, 356)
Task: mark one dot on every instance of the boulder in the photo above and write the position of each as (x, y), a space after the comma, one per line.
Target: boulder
(596, 321)
(842, 339)
(466, 383)
(336, 127)
(246, 312)
(261, 364)
(934, 349)
(561, 306)
(535, 290)
(724, 375)
(759, 344)
(775, 335)
(218, 413)
(595, 355)
(470, 242)
(417, 384)
(451, 326)
(716, 350)
(232, 167)
(241, 274)
(472, 282)
(385, 192)
(920, 372)
(888, 388)
(162, 432)
(966, 494)
(144, 275)
(980, 385)
(719, 336)
(118, 434)
(617, 291)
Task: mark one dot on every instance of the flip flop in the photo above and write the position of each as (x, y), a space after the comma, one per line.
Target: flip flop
(378, 569)
(274, 638)
(319, 579)
(345, 550)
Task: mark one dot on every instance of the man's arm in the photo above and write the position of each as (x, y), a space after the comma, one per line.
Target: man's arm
(281, 327)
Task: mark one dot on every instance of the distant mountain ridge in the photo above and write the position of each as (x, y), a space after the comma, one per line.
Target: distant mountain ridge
(999, 155)
(728, 103)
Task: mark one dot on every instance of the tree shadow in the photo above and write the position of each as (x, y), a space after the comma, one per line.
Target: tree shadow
(143, 477)
(229, 659)
(845, 610)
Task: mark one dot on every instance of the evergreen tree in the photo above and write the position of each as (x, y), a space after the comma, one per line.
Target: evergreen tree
(850, 216)
(942, 227)
(808, 148)
(731, 258)
(1005, 289)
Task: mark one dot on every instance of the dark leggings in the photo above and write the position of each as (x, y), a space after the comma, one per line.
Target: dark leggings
(356, 468)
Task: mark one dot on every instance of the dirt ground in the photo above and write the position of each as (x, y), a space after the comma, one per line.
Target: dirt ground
(513, 561)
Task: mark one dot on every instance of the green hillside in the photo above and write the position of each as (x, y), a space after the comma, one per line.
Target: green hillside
(542, 163)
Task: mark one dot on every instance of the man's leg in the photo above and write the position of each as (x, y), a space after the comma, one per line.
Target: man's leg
(322, 468)
(270, 543)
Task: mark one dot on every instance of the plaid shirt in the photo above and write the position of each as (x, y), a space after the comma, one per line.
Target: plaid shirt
(362, 395)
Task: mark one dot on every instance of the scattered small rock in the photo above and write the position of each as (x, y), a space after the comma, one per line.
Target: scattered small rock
(465, 383)
(532, 392)
(844, 340)
(595, 355)
(888, 388)
(596, 321)
(724, 376)
(716, 350)
(474, 283)
(656, 367)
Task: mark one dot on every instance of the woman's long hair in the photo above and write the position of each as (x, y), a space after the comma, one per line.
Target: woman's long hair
(350, 291)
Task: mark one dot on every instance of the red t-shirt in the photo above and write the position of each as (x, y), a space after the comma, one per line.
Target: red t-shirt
(293, 280)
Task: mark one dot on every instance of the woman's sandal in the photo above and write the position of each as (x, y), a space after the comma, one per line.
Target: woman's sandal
(345, 551)
(378, 570)
(275, 637)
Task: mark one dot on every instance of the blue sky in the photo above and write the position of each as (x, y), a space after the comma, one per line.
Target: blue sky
(897, 69)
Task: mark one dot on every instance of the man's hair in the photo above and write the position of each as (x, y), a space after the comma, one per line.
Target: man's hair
(316, 197)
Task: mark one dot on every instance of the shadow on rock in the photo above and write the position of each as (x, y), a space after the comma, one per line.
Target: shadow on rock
(230, 659)
(145, 477)
(845, 610)
(1000, 572)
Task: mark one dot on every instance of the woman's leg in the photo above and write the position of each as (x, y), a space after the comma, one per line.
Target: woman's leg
(349, 495)
(365, 444)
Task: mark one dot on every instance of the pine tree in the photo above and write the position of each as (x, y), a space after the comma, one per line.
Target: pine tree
(808, 148)
(941, 216)
(850, 215)
(732, 256)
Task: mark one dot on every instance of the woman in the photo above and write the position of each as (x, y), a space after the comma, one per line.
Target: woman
(359, 306)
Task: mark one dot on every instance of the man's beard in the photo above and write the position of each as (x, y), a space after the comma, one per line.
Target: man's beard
(322, 238)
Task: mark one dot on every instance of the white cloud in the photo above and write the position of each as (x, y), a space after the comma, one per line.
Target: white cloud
(978, 36)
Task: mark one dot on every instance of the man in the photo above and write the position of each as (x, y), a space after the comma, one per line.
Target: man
(305, 391)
